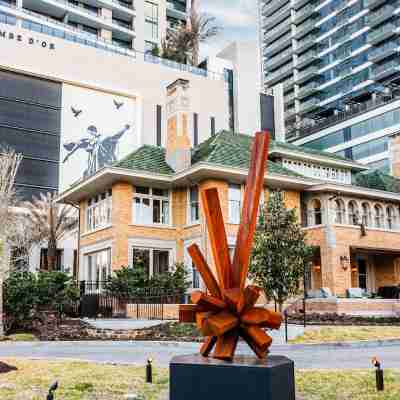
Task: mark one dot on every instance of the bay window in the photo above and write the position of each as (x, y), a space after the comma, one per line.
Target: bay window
(151, 206)
(98, 214)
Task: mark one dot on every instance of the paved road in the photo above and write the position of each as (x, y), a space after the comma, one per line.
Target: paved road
(161, 353)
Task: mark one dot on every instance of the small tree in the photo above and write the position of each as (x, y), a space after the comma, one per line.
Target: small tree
(9, 164)
(280, 253)
(53, 220)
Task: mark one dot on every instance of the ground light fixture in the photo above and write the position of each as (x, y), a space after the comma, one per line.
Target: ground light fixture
(380, 386)
(149, 371)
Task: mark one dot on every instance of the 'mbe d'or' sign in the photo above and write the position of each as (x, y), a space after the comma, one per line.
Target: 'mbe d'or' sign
(30, 40)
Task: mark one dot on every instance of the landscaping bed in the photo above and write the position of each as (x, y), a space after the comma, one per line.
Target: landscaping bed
(339, 334)
(76, 329)
(30, 379)
(341, 319)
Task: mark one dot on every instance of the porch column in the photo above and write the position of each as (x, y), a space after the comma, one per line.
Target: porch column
(122, 198)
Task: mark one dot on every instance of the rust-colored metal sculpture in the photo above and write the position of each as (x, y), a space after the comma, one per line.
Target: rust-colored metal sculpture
(227, 311)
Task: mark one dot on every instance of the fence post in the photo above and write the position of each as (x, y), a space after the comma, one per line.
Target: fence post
(286, 325)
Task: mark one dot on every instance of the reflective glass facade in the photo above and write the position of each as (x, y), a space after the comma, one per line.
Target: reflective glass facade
(385, 120)
(331, 57)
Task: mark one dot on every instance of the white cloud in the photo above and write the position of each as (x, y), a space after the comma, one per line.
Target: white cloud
(237, 18)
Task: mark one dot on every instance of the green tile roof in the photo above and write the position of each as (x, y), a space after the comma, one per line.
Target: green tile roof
(225, 149)
(377, 180)
(307, 151)
(147, 158)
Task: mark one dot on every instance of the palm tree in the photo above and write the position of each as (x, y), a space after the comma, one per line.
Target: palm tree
(183, 43)
(52, 220)
(201, 28)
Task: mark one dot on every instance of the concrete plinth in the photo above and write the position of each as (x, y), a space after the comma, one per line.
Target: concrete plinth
(194, 377)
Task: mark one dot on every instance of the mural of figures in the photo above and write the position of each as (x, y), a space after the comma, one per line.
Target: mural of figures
(98, 129)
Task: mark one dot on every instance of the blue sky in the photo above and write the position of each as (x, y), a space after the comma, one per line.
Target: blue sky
(237, 17)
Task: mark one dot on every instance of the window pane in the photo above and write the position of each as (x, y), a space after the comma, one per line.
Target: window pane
(160, 192)
(165, 212)
(147, 217)
(142, 257)
(142, 190)
(157, 211)
(160, 261)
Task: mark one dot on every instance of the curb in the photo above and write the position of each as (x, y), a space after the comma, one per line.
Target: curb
(340, 345)
(306, 346)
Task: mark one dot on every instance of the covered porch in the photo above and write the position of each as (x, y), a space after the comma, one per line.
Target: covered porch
(375, 270)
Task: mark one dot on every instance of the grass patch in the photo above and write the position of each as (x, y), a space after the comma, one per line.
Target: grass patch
(346, 385)
(347, 334)
(78, 380)
(87, 381)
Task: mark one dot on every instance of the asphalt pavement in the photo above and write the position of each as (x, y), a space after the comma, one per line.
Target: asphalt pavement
(305, 357)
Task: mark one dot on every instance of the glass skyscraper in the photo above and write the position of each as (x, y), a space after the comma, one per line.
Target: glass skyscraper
(332, 57)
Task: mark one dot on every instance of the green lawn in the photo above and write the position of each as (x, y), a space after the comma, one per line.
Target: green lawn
(346, 385)
(78, 381)
(89, 381)
(347, 334)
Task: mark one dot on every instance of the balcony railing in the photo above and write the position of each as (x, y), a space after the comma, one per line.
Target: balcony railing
(304, 13)
(383, 51)
(279, 72)
(175, 5)
(390, 67)
(123, 24)
(307, 90)
(184, 67)
(272, 62)
(278, 45)
(383, 32)
(277, 17)
(307, 73)
(307, 58)
(309, 105)
(380, 15)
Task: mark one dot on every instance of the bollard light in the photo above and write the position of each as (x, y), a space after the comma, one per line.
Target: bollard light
(149, 371)
(380, 386)
(52, 389)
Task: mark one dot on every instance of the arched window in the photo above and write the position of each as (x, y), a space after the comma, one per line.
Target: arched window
(316, 212)
(353, 213)
(378, 215)
(390, 217)
(366, 214)
(339, 212)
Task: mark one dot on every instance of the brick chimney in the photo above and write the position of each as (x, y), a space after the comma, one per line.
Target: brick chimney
(178, 152)
(395, 154)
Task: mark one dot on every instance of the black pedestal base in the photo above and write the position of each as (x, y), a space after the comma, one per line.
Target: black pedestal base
(194, 377)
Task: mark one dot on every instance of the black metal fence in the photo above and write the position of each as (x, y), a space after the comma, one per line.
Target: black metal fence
(96, 301)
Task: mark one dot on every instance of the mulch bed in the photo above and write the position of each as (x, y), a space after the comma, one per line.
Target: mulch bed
(5, 368)
(342, 319)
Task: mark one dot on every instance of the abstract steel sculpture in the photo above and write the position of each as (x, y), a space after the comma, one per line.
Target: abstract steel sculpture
(227, 311)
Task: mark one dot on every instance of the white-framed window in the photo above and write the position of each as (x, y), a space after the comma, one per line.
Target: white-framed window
(378, 214)
(353, 213)
(98, 265)
(155, 261)
(194, 205)
(99, 211)
(390, 217)
(366, 214)
(235, 203)
(339, 211)
(151, 206)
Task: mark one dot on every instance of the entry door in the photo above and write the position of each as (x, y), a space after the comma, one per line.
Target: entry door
(362, 265)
